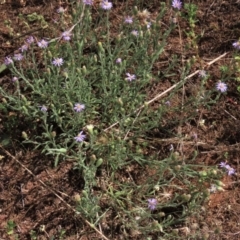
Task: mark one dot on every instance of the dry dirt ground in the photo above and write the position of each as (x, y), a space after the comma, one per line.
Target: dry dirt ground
(28, 199)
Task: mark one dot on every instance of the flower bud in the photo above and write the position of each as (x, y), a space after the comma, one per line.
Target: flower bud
(186, 197)
(24, 135)
(219, 188)
(203, 174)
(74, 12)
(53, 134)
(90, 129)
(77, 197)
(119, 37)
(89, 18)
(93, 158)
(65, 74)
(23, 98)
(49, 54)
(84, 69)
(135, 10)
(146, 104)
(176, 155)
(25, 110)
(214, 172)
(220, 183)
(100, 46)
(162, 214)
(177, 168)
(70, 104)
(84, 193)
(119, 100)
(99, 162)
(130, 143)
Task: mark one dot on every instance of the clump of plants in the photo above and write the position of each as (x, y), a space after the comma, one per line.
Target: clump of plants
(84, 97)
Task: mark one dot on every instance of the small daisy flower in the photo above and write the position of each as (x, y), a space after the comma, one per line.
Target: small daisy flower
(78, 107)
(80, 137)
(213, 188)
(230, 170)
(42, 44)
(223, 164)
(8, 61)
(43, 108)
(57, 62)
(14, 79)
(30, 40)
(119, 60)
(152, 203)
(61, 10)
(23, 48)
(106, 5)
(195, 136)
(202, 73)
(18, 57)
(236, 45)
(134, 33)
(177, 4)
(221, 86)
(168, 103)
(149, 25)
(66, 35)
(128, 20)
(130, 77)
(88, 2)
